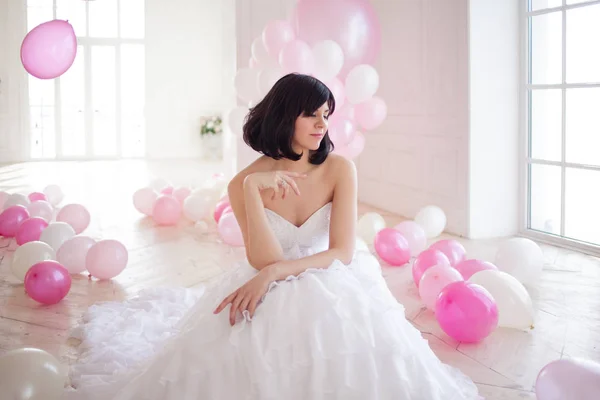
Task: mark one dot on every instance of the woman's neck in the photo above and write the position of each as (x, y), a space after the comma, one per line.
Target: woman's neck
(303, 165)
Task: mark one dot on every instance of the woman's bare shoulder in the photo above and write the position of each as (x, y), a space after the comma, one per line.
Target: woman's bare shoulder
(339, 167)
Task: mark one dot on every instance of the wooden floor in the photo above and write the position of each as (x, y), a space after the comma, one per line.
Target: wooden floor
(504, 366)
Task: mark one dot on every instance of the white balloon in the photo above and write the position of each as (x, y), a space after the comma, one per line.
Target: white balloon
(30, 373)
(236, 119)
(432, 219)
(369, 225)
(16, 199)
(198, 205)
(246, 84)
(143, 200)
(54, 194)
(41, 209)
(27, 255)
(56, 233)
(361, 245)
(515, 308)
(159, 184)
(521, 258)
(267, 78)
(259, 51)
(362, 83)
(329, 59)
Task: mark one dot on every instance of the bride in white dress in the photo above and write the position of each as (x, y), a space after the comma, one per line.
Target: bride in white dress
(305, 318)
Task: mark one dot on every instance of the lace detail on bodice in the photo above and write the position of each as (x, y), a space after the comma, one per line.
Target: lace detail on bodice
(310, 238)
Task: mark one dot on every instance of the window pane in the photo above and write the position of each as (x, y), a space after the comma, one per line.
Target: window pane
(132, 19)
(535, 5)
(103, 18)
(546, 48)
(39, 11)
(578, 1)
(72, 96)
(41, 91)
(583, 44)
(583, 126)
(546, 124)
(42, 132)
(582, 212)
(103, 101)
(133, 100)
(545, 198)
(74, 12)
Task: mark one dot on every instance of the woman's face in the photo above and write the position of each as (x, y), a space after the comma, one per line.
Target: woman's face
(310, 129)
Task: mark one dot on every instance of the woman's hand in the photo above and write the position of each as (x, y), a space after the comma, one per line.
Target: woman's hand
(278, 181)
(247, 296)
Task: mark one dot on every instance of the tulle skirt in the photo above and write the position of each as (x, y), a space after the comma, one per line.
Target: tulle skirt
(334, 333)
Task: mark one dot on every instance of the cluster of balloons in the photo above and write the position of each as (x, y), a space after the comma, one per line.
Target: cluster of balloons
(49, 49)
(337, 42)
(51, 246)
(167, 205)
(31, 373)
(470, 297)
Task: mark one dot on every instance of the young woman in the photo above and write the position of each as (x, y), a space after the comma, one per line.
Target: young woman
(306, 317)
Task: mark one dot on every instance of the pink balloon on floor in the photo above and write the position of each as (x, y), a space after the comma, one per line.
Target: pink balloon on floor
(72, 253)
(353, 24)
(49, 49)
(230, 230)
(297, 56)
(30, 230)
(434, 280)
(371, 113)
(106, 259)
(569, 378)
(37, 196)
(426, 260)
(42, 209)
(469, 267)
(455, 251)
(466, 312)
(47, 282)
(414, 235)
(392, 247)
(168, 190)
(167, 210)
(75, 215)
(220, 207)
(11, 219)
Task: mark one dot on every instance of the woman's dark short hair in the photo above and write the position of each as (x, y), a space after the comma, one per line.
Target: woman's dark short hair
(269, 127)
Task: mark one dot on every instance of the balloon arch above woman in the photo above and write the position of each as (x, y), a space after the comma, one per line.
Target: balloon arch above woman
(338, 42)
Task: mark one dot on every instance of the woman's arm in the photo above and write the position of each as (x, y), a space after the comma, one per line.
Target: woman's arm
(262, 247)
(342, 230)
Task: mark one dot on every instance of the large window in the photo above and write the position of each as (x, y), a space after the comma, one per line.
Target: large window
(96, 109)
(563, 121)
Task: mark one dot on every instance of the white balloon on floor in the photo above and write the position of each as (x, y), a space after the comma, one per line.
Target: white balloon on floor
(521, 258)
(432, 219)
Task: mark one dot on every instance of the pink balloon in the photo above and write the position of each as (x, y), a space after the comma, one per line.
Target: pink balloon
(30, 230)
(371, 113)
(230, 230)
(106, 259)
(392, 247)
(347, 111)
(452, 249)
(11, 219)
(42, 209)
(297, 56)
(469, 267)
(220, 207)
(37, 196)
(168, 190)
(49, 49)
(75, 215)
(227, 210)
(353, 24)
(339, 93)
(426, 260)
(252, 62)
(72, 253)
(47, 282)
(181, 194)
(466, 312)
(167, 210)
(341, 130)
(414, 235)
(354, 148)
(276, 35)
(569, 378)
(434, 280)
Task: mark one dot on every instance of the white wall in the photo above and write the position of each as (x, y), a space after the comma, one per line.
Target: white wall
(190, 64)
(494, 118)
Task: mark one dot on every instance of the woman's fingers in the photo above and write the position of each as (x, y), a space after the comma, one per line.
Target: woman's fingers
(253, 305)
(234, 307)
(291, 183)
(224, 303)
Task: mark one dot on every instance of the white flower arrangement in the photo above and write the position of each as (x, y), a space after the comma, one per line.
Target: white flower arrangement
(211, 125)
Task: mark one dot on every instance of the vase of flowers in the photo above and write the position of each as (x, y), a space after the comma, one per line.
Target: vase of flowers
(211, 135)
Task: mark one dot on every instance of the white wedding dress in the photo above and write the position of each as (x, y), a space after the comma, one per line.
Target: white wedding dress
(334, 333)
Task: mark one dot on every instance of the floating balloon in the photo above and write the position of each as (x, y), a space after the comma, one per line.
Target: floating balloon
(297, 57)
(354, 148)
(276, 35)
(329, 59)
(49, 49)
(371, 113)
(361, 83)
(341, 131)
(47, 282)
